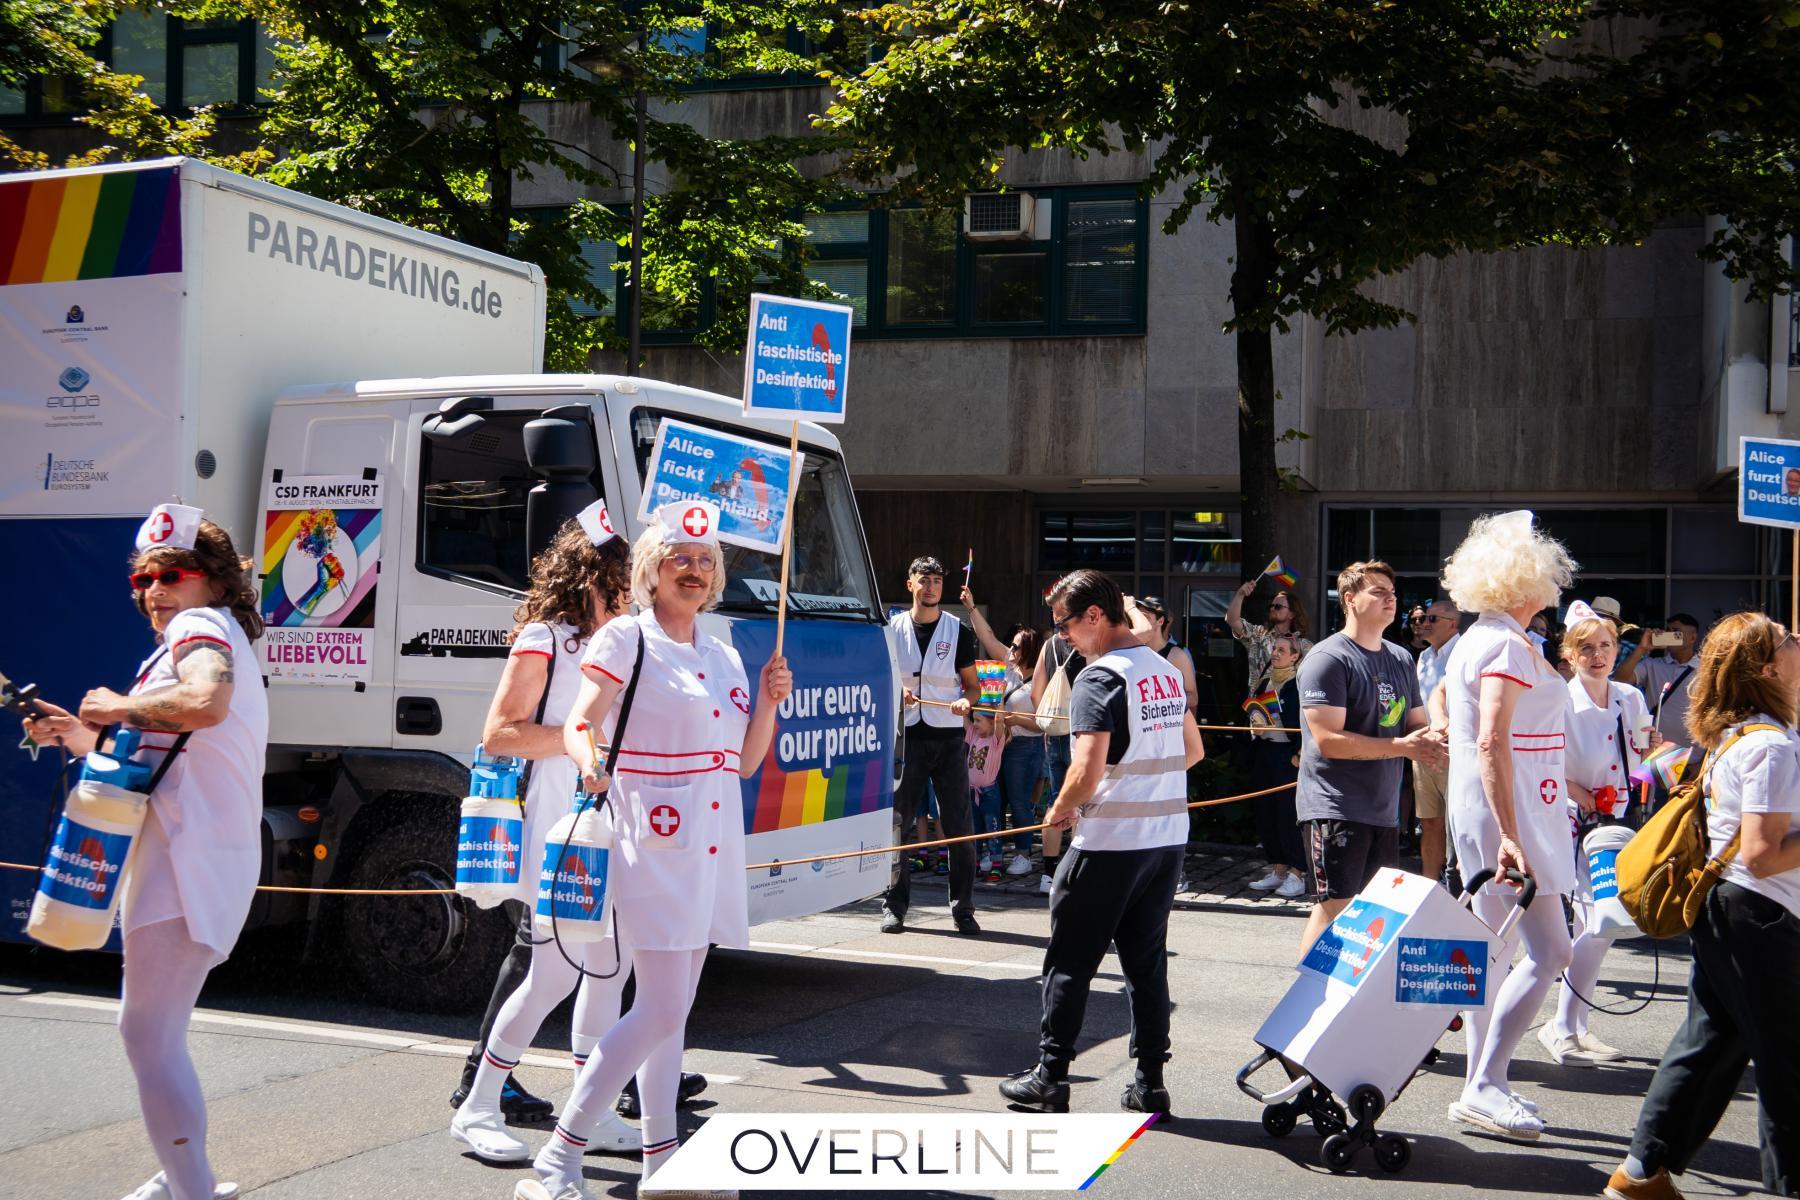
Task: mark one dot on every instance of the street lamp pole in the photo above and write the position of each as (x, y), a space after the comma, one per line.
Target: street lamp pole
(635, 321)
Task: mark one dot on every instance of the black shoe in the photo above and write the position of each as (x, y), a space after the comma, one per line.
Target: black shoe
(967, 925)
(1033, 1091)
(516, 1103)
(692, 1084)
(1139, 1098)
(892, 923)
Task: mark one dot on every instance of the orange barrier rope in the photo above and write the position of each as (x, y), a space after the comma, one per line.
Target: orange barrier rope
(1203, 728)
(791, 862)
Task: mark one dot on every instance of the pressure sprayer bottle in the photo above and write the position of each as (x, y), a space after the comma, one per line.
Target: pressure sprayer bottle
(78, 893)
(1602, 846)
(490, 838)
(573, 899)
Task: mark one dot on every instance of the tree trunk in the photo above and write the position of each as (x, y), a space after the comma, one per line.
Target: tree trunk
(1256, 394)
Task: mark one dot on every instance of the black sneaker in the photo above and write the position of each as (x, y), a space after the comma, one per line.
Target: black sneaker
(692, 1084)
(892, 923)
(967, 925)
(1033, 1091)
(516, 1104)
(1143, 1099)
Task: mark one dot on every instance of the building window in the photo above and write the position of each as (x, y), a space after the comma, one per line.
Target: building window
(189, 63)
(1084, 274)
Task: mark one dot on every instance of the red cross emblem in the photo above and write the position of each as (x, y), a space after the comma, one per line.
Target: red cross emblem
(605, 521)
(694, 522)
(1398, 880)
(1547, 791)
(665, 819)
(741, 698)
(165, 525)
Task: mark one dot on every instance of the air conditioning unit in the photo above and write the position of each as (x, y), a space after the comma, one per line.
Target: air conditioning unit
(999, 216)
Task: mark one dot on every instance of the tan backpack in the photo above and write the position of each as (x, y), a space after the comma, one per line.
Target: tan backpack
(1665, 872)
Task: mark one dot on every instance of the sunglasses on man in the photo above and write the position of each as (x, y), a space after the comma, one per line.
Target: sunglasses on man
(141, 581)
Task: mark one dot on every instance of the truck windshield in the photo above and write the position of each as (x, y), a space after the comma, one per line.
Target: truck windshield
(829, 570)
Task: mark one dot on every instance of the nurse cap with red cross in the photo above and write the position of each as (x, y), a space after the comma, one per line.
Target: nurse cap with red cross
(169, 527)
(689, 521)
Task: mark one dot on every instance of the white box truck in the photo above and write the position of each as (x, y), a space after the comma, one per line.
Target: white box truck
(169, 330)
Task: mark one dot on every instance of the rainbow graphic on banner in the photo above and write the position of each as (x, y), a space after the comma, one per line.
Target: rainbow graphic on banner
(1116, 1154)
(99, 226)
(784, 801)
(362, 525)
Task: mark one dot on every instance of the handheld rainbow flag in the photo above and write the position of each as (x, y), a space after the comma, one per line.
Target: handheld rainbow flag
(1663, 765)
(1282, 574)
(1269, 700)
(969, 567)
(992, 675)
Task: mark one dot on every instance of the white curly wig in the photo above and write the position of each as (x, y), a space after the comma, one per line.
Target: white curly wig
(1504, 563)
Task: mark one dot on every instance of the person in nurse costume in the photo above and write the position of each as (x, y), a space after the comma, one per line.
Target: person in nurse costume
(1506, 708)
(1609, 730)
(188, 887)
(579, 582)
(678, 871)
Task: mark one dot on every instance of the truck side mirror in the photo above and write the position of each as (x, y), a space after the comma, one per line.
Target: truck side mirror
(559, 447)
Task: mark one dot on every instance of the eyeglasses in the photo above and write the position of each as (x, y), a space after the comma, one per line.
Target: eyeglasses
(1278, 606)
(1018, 647)
(705, 562)
(1427, 619)
(1062, 626)
(141, 580)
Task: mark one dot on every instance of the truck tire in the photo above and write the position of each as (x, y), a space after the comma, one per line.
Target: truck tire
(431, 953)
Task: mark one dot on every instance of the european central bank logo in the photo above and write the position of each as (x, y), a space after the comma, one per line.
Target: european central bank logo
(72, 379)
(75, 315)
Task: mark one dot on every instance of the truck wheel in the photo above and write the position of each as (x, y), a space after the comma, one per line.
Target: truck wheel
(431, 953)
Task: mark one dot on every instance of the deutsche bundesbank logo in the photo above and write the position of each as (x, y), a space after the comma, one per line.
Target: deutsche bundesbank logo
(73, 379)
(76, 316)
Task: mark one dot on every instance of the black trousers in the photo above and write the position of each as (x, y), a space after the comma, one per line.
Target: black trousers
(1103, 897)
(940, 762)
(1740, 1012)
(1277, 826)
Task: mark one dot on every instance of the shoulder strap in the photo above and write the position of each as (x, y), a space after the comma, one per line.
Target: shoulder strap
(637, 672)
(1731, 848)
(162, 768)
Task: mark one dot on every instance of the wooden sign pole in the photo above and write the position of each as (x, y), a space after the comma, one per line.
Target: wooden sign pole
(787, 532)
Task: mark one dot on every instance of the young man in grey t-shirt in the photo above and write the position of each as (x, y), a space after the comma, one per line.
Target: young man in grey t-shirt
(1359, 695)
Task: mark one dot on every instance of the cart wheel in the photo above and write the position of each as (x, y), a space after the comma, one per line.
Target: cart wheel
(1431, 1057)
(1328, 1116)
(1367, 1103)
(1339, 1152)
(1278, 1119)
(1392, 1152)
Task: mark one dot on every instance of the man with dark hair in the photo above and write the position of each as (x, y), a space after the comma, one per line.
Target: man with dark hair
(1133, 740)
(937, 664)
(1359, 695)
(1666, 675)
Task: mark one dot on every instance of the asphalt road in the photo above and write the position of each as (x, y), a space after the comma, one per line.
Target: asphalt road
(315, 1095)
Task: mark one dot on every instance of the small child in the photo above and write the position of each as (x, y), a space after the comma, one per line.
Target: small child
(984, 748)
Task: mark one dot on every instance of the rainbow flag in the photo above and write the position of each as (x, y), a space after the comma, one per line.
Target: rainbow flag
(992, 675)
(784, 800)
(1264, 699)
(97, 226)
(1281, 573)
(1664, 765)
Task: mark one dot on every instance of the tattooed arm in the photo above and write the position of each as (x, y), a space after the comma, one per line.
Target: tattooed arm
(199, 700)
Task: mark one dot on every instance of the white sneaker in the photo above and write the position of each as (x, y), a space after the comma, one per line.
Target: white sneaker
(157, 1188)
(1044, 884)
(1511, 1121)
(485, 1133)
(985, 865)
(1564, 1051)
(1596, 1049)
(1291, 887)
(1267, 883)
(615, 1137)
(535, 1189)
(1020, 865)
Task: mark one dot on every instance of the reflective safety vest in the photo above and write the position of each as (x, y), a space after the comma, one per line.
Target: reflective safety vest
(1141, 802)
(931, 675)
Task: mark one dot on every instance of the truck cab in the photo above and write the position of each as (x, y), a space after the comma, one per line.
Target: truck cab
(377, 701)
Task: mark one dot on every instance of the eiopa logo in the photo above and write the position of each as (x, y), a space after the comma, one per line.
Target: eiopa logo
(72, 379)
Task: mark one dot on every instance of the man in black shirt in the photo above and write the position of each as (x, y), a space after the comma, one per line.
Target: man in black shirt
(937, 665)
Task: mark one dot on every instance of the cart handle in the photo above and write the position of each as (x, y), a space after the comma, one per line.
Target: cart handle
(1294, 1087)
(1482, 877)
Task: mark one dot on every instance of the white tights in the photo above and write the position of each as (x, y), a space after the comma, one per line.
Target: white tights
(1492, 1040)
(1583, 976)
(649, 1037)
(164, 970)
(551, 978)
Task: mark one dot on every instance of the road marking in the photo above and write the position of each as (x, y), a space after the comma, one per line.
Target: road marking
(386, 1041)
(888, 956)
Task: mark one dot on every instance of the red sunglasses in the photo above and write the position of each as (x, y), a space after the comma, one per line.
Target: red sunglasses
(141, 580)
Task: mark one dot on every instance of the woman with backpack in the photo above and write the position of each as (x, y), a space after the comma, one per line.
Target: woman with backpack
(1746, 937)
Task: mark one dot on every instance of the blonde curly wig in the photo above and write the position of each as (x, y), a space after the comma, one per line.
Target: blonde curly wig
(1505, 562)
(647, 555)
